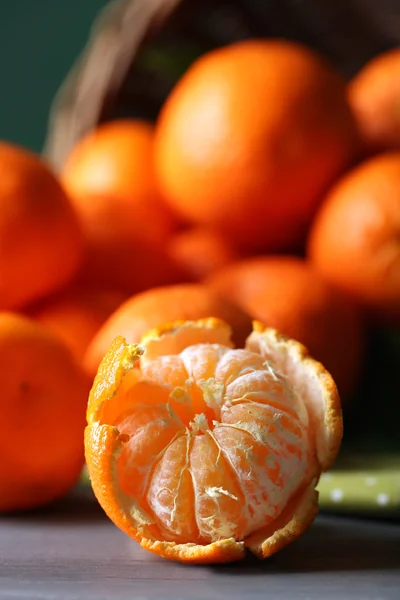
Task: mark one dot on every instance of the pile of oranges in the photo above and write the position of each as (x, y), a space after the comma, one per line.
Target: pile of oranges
(267, 190)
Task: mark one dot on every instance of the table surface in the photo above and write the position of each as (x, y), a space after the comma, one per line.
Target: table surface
(74, 553)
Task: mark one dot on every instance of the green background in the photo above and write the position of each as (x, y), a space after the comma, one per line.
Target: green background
(39, 41)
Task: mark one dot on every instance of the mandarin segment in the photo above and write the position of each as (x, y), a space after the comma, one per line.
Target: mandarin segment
(160, 342)
(170, 494)
(313, 383)
(267, 455)
(154, 430)
(204, 367)
(219, 497)
(211, 448)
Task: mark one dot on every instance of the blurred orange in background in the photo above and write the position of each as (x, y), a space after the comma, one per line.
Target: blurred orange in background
(42, 408)
(374, 96)
(76, 315)
(288, 294)
(199, 251)
(355, 240)
(250, 138)
(110, 178)
(41, 244)
(122, 251)
(116, 160)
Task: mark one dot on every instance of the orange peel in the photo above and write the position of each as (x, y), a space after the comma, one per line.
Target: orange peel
(198, 451)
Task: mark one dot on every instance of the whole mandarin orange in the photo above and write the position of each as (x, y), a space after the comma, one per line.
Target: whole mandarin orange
(111, 180)
(355, 239)
(251, 137)
(374, 96)
(117, 160)
(43, 402)
(41, 244)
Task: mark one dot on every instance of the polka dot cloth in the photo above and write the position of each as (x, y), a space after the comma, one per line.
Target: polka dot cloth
(361, 484)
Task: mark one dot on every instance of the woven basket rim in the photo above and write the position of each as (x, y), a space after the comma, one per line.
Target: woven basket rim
(86, 85)
(122, 27)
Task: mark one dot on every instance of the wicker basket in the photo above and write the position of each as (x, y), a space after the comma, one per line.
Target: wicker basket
(138, 49)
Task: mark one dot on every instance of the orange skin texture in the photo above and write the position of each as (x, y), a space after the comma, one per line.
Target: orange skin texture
(43, 401)
(116, 160)
(110, 177)
(355, 240)
(77, 314)
(200, 251)
(244, 147)
(155, 307)
(374, 95)
(288, 294)
(41, 244)
(125, 248)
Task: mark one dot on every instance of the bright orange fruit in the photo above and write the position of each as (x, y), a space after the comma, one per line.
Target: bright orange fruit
(198, 451)
(250, 138)
(374, 96)
(41, 243)
(125, 248)
(287, 293)
(355, 240)
(77, 314)
(110, 178)
(42, 407)
(116, 160)
(199, 251)
(190, 301)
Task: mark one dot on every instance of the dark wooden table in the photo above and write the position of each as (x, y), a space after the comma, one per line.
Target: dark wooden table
(74, 553)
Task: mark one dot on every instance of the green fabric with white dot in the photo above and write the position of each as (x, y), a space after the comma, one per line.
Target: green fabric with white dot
(365, 479)
(361, 484)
